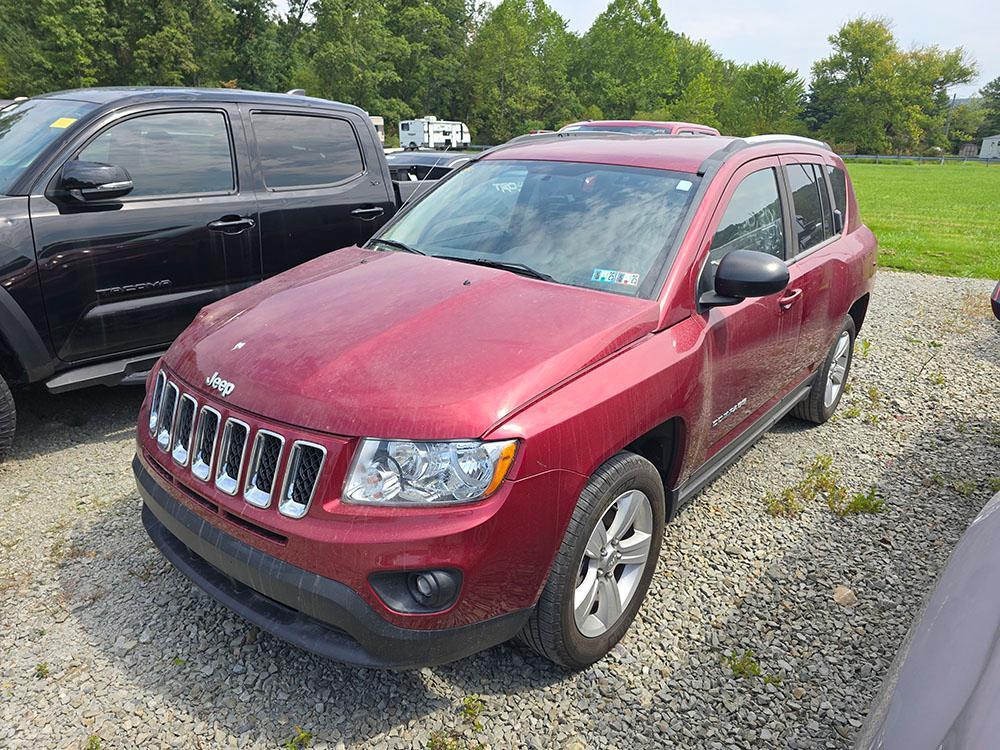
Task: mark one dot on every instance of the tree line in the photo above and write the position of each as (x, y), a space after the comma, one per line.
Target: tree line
(504, 69)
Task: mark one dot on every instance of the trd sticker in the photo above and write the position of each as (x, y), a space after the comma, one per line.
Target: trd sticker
(606, 276)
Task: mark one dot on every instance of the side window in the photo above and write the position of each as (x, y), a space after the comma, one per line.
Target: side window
(171, 153)
(811, 217)
(752, 220)
(303, 150)
(838, 181)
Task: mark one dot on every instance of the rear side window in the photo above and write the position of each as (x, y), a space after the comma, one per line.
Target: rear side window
(752, 220)
(811, 218)
(838, 181)
(169, 153)
(303, 151)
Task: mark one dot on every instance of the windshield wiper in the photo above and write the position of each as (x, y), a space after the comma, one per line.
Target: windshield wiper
(506, 265)
(399, 246)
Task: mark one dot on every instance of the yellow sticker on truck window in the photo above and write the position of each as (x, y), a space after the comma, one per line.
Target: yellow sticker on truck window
(63, 122)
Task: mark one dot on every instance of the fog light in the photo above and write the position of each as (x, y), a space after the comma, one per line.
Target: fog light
(417, 591)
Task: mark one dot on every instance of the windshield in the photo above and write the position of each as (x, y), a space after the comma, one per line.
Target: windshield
(27, 128)
(629, 129)
(590, 225)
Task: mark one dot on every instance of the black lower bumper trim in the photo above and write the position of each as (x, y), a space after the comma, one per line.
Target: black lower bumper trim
(315, 613)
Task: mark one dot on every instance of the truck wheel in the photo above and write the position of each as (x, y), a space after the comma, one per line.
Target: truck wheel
(828, 387)
(603, 568)
(8, 419)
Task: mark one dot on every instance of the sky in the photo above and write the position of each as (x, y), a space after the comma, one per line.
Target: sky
(794, 33)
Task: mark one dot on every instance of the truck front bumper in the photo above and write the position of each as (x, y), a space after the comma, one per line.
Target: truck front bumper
(317, 614)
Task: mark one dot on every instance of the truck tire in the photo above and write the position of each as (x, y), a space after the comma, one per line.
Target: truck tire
(592, 594)
(8, 419)
(828, 386)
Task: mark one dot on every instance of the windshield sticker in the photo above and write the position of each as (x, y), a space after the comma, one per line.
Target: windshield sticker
(615, 277)
(684, 185)
(63, 122)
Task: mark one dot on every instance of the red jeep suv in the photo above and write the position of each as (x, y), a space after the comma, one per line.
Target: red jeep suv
(476, 426)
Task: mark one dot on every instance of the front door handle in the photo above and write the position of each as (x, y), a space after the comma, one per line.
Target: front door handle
(232, 224)
(789, 299)
(368, 213)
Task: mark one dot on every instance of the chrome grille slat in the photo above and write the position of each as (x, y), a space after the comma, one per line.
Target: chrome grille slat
(165, 420)
(305, 462)
(265, 458)
(204, 442)
(154, 402)
(231, 452)
(183, 429)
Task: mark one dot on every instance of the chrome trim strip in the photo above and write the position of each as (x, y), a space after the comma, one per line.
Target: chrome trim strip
(223, 480)
(181, 453)
(163, 432)
(251, 493)
(287, 506)
(199, 468)
(154, 402)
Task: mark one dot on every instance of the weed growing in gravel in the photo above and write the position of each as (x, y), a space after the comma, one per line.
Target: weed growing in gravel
(42, 671)
(861, 502)
(863, 348)
(785, 504)
(853, 412)
(964, 487)
(743, 665)
(471, 710)
(995, 484)
(875, 396)
(178, 661)
(301, 740)
(472, 707)
(936, 378)
(93, 743)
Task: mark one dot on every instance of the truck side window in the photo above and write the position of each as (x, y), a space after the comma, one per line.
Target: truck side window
(810, 216)
(305, 151)
(169, 153)
(752, 220)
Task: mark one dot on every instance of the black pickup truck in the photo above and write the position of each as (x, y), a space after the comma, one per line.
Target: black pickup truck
(125, 211)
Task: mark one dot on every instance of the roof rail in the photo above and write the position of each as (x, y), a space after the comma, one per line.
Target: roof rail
(778, 137)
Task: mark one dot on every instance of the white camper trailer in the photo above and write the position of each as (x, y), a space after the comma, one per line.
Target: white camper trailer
(430, 132)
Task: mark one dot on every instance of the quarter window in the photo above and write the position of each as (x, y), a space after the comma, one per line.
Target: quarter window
(169, 153)
(752, 220)
(812, 221)
(303, 151)
(838, 181)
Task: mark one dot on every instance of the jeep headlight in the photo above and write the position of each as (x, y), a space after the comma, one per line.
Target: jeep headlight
(408, 472)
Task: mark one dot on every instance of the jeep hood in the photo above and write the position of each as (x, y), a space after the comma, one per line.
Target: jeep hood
(388, 344)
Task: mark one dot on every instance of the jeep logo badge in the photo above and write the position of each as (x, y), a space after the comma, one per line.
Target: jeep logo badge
(224, 387)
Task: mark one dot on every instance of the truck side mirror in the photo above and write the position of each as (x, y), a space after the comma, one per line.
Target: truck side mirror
(746, 273)
(91, 180)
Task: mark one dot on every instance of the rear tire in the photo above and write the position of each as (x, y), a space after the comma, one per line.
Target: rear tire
(8, 419)
(818, 406)
(625, 496)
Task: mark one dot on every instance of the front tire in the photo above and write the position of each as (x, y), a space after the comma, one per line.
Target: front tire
(831, 378)
(8, 419)
(603, 568)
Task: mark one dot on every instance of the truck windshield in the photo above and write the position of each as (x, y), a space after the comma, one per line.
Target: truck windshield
(28, 127)
(590, 225)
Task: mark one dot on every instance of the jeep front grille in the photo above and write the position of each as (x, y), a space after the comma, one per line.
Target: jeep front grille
(165, 420)
(263, 468)
(181, 443)
(154, 403)
(301, 477)
(231, 450)
(204, 443)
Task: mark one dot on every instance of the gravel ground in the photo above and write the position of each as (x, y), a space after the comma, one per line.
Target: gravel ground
(103, 639)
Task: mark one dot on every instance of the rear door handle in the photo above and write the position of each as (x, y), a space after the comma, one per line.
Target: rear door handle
(789, 299)
(232, 224)
(369, 213)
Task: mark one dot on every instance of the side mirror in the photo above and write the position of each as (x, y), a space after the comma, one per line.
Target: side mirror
(746, 273)
(91, 180)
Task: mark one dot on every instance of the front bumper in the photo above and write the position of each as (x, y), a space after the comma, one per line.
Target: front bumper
(317, 614)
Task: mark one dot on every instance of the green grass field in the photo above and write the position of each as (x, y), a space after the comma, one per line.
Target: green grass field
(930, 218)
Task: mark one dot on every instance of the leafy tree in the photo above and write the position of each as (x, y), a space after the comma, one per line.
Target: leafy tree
(990, 97)
(763, 98)
(627, 61)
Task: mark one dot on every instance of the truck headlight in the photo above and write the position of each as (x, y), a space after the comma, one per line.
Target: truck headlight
(407, 472)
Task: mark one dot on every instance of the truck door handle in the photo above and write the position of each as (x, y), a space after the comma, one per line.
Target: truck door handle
(369, 213)
(232, 224)
(789, 299)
